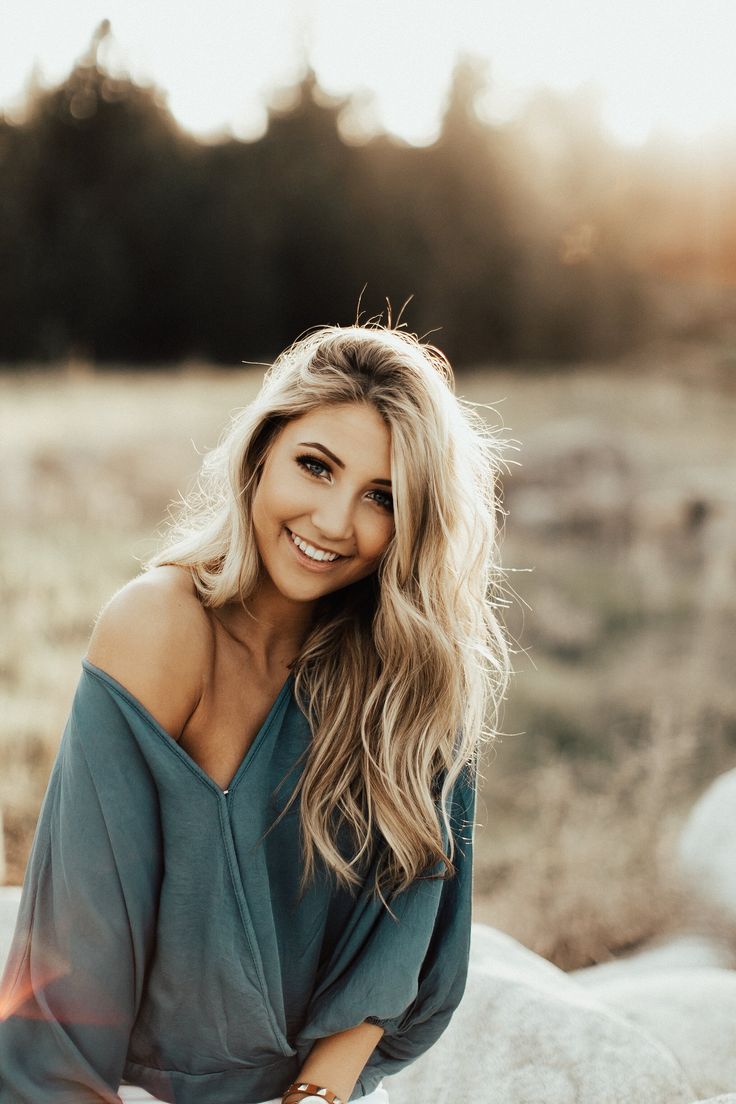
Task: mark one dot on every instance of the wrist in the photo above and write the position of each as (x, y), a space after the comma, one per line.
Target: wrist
(309, 1093)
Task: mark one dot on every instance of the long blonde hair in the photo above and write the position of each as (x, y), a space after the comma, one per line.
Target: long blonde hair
(399, 670)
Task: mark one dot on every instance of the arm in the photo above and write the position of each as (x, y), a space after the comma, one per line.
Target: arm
(87, 919)
(86, 923)
(444, 971)
(336, 1061)
(409, 973)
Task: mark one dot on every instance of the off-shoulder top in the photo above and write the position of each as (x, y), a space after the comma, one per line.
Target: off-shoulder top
(160, 939)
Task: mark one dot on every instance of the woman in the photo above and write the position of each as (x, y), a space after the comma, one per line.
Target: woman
(252, 873)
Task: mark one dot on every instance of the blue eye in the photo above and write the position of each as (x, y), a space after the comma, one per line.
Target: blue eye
(306, 460)
(388, 504)
(308, 463)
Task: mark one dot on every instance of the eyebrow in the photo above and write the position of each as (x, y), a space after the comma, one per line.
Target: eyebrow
(338, 461)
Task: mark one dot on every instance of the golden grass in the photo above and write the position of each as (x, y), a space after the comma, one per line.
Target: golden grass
(583, 868)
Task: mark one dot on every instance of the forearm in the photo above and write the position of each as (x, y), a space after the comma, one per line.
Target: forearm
(336, 1061)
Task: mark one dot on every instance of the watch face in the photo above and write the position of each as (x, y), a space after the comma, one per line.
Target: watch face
(312, 1099)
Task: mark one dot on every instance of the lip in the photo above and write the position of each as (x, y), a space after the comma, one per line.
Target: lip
(304, 560)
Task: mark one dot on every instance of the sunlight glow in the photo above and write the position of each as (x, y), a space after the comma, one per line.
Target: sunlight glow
(650, 63)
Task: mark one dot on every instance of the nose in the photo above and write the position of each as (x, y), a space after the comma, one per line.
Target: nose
(333, 519)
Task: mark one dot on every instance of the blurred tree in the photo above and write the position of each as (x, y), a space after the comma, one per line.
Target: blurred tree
(126, 240)
(99, 161)
(471, 218)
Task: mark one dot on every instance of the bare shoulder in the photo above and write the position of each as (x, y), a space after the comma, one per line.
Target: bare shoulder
(154, 637)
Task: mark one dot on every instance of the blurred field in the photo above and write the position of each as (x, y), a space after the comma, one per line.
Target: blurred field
(620, 552)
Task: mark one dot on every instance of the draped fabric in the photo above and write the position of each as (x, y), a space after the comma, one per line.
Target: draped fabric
(160, 939)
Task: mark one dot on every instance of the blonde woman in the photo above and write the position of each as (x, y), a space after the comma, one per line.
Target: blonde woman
(251, 877)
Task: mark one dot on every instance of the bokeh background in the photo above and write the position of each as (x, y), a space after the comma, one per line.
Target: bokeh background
(548, 193)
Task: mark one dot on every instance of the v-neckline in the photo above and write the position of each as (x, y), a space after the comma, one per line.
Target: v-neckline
(175, 746)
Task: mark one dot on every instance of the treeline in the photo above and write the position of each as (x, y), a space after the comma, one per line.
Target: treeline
(124, 239)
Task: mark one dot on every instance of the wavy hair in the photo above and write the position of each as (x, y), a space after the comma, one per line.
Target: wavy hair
(417, 650)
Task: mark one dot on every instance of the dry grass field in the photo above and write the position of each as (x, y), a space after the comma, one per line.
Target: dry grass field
(619, 555)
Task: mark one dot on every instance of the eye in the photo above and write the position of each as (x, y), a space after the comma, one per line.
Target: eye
(308, 463)
(305, 461)
(388, 503)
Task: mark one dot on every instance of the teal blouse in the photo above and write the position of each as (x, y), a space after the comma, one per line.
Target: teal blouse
(160, 939)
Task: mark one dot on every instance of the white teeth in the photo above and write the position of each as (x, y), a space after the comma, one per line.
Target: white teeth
(313, 553)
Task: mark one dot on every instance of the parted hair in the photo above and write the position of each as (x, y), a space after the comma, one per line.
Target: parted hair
(403, 673)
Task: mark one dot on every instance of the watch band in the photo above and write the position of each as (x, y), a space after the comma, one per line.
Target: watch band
(314, 1094)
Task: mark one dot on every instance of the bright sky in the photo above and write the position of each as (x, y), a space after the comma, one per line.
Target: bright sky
(656, 63)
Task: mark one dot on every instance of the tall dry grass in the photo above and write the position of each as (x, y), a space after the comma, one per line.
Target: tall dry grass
(584, 868)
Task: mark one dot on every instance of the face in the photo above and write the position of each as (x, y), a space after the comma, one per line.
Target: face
(327, 481)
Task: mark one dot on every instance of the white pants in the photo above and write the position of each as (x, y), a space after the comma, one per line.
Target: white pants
(131, 1094)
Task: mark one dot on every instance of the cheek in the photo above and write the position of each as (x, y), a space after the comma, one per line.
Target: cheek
(377, 539)
(274, 499)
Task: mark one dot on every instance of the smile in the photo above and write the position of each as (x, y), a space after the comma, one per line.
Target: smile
(309, 555)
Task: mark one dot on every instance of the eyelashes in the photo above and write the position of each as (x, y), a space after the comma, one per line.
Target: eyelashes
(306, 462)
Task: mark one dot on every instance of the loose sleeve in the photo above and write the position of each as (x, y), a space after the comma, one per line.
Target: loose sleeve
(407, 975)
(73, 980)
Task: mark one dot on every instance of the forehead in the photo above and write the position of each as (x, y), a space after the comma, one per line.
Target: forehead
(351, 430)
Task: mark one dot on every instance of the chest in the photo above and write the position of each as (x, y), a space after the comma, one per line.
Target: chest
(231, 713)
